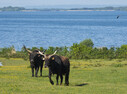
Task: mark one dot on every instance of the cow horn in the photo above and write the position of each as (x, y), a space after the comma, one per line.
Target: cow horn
(54, 52)
(41, 53)
(27, 49)
(49, 55)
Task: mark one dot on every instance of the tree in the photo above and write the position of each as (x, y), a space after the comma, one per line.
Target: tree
(50, 50)
(34, 48)
(111, 53)
(87, 42)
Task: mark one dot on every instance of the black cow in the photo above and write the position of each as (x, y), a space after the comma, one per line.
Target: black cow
(59, 65)
(36, 61)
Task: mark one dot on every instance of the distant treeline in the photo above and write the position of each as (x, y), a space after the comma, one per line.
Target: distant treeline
(10, 8)
(82, 50)
(103, 8)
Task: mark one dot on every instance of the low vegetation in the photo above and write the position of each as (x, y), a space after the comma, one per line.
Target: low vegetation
(91, 76)
(83, 50)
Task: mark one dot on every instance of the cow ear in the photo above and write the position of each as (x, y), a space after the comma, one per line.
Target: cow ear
(53, 58)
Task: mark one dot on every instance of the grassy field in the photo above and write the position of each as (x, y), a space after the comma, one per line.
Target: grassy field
(86, 77)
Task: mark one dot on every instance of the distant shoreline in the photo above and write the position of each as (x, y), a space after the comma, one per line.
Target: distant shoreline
(60, 10)
(87, 10)
(65, 10)
(10, 8)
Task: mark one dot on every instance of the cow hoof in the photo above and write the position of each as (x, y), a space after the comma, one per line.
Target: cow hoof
(52, 82)
(66, 84)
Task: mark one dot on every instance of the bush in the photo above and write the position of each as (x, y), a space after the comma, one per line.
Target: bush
(83, 50)
(87, 42)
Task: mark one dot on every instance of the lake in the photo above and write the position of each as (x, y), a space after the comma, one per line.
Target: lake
(1, 64)
(62, 28)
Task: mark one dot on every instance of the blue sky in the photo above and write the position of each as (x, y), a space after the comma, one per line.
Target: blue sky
(60, 3)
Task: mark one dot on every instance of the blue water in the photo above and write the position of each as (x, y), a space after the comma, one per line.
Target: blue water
(62, 28)
(1, 64)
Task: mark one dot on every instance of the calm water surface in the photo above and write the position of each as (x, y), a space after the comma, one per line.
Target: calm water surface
(62, 28)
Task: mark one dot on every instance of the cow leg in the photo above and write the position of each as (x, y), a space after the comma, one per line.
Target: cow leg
(61, 76)
(37, 68)
(50, 78)
(32, 68)
(57, 78)
(66, 79)
(41, 70)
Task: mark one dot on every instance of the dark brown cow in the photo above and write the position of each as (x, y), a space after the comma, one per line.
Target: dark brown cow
(36, 61)
(59, 65)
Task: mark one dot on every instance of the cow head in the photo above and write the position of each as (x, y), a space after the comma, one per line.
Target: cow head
(48, 58)
(35, 55)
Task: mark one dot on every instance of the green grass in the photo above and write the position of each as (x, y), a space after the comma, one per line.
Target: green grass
(86, 77)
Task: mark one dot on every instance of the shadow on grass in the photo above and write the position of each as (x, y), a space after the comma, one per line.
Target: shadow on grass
(83, 84)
